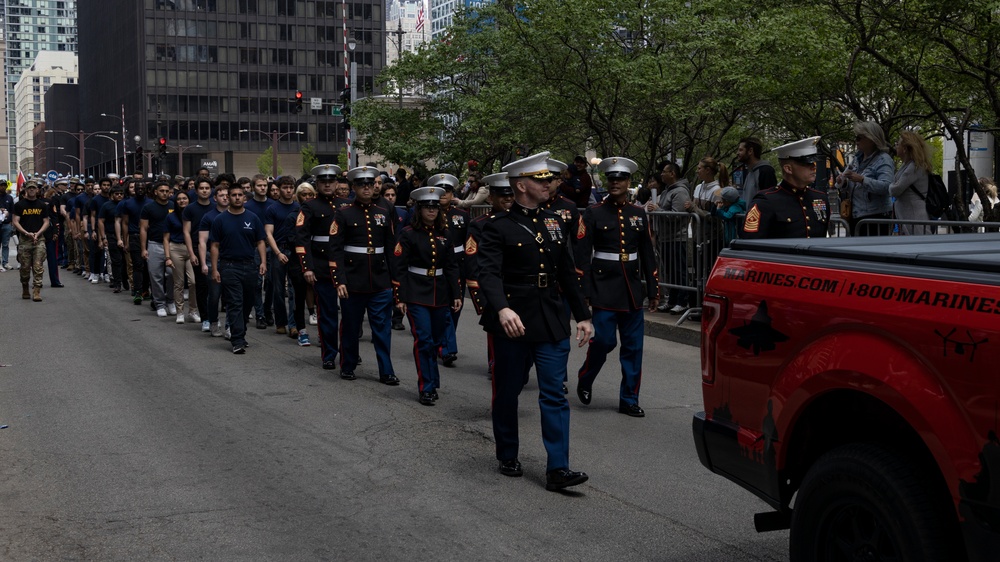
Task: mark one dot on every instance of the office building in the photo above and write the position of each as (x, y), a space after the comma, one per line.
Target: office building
(50, 67)
(217, 79)
(32, 26)
(410, 16)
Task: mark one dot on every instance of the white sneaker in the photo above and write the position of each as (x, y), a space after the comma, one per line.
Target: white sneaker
(107, 277)
(312, 319)
(93, 278)
(217, 330)
(2, 268)
(229, 333)
(180, 318)
(195, 317)
(206, 326)
(161, 312)
(677, 309)
(172, 308)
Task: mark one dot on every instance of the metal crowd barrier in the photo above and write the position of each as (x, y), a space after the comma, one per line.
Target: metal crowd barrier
(900, 227)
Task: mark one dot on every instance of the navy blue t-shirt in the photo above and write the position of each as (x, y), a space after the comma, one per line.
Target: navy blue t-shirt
(176, 228)
(108, 214)
(276, 215)
(96, 203)
(206, 222)
(80, 203)
(193, 213)
(237, 235)
(156, 214)
(258, 208)
(133, 208)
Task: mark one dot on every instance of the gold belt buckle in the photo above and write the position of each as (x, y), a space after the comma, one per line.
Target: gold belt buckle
(370, 249)
(624, 256)
(543, 280)
(431, 271)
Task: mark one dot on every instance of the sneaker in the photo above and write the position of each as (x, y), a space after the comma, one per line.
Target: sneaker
(161, 312)
(217, 330)
(239, 350)
(180, 318)
(172, 308)
(195, 317)
(304, 339)
(678, 309)
(312, 319)
(191, 318)
(229, 333)
(2, 268)
(281, 330)
(206, 326)
(93, 279)
(137, 300)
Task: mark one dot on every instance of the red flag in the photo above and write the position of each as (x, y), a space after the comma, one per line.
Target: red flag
(20, 181)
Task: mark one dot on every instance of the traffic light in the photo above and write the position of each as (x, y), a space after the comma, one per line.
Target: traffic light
(163, 145)
(345, 107)
(298, 101)
(140, 163)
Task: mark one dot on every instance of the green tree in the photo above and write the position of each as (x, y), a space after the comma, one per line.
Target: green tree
(265, 163)
(309, 159)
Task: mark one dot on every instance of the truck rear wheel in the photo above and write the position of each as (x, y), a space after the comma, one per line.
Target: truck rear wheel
(861, 502)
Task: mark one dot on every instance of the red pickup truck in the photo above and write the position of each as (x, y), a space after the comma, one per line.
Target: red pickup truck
(861, 378)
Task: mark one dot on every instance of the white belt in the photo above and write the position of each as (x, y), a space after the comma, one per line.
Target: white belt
(615, 257)
(364, 249)
(459, 249)
(320, 238)
(432, 272)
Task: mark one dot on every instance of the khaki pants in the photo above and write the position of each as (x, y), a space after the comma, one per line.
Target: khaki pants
(31, 256)
(182, 265)
(72, 259)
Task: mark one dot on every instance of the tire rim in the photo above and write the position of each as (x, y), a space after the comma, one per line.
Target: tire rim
(853, 532)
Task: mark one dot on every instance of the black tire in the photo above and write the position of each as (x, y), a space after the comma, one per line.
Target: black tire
(861, 502)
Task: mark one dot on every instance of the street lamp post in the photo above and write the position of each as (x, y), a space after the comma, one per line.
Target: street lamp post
(275, 137)
(67, 164)
(81, 136)
(78, 162)
(399, 51)
(117, 169)
(350, 76)
(124, 146)
(180, 157)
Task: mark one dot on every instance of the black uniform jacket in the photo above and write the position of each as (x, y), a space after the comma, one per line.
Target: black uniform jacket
(431, 251)
(470, 263)
(614, 250)
(786, 212)
(458, 226)
(362, 237)
(312, 235)
(526, 264)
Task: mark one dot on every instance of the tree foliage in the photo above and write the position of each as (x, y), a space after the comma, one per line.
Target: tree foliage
(309, 159)
(265, 164)
(652, 79)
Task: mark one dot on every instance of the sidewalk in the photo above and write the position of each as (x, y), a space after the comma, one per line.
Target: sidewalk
(664, 326)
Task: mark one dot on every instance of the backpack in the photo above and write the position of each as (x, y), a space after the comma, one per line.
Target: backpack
(936, 201)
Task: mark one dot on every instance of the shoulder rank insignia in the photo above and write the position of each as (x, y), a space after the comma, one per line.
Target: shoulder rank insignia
(334, 228)
(752, 222)
(300, 220)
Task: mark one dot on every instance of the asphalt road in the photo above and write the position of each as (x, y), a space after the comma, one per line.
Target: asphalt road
(132, 438)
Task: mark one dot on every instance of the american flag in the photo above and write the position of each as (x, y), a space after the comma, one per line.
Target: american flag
(420, 19)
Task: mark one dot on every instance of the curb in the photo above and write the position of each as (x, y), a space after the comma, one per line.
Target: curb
(676, 334)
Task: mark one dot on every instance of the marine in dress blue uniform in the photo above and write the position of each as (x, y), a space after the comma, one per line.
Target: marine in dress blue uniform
(501, 197)
(615, 255)
(793, 209)
(313, 229)
(458, 225)
(425, 273)
(361, 239)
(524, 264)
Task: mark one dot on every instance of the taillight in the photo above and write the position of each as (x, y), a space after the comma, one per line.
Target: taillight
(714, 310)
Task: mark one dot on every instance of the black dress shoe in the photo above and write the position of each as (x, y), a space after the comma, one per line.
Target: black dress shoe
(390, 380)
(449, 359)
(584, 393)
(434, 395)
(397, 326)
(329, 365)
(563, 478)
(426, 399)
(511, 468)
(347, 375)
(630, 410)
(261, 324)
(58, 285)
(269, 319)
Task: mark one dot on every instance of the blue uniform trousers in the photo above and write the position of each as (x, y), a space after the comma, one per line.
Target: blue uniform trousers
(427, 326)
(512, 360)
(630, 325)
(258, 296)
(52, 256)
(326, 318)
(238, 282)
(448, 342)
(379, 308)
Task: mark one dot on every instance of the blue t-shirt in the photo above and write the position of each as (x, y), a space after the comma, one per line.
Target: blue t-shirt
(276, 215)
(258, 208)
(133, 208)
(237, 235)
(176, 228)
(206, 222)
(81, 202)
(96, 203)
(193, 213)
(156, 214)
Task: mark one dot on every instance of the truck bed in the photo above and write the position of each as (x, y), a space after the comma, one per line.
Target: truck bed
(933, 256)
